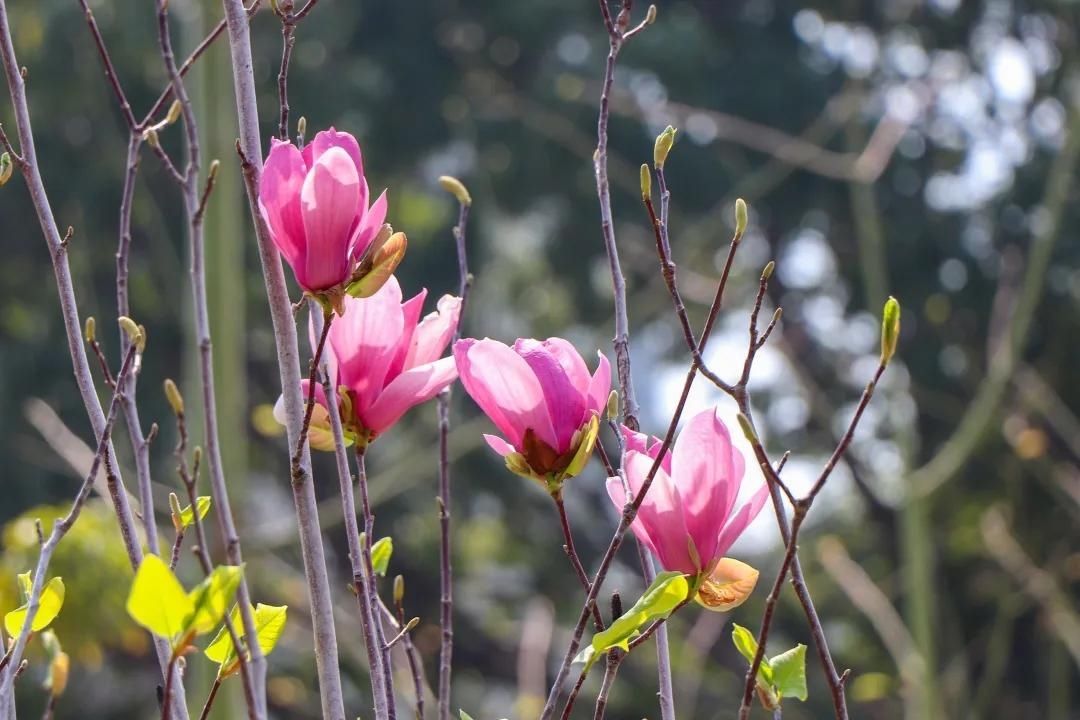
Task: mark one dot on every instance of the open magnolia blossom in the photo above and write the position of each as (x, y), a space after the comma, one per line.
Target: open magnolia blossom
(540, 395)
(383, 359)
(315, 204)
(688, 519)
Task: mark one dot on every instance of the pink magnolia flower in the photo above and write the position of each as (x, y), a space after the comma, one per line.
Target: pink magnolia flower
(689, 519)
(315, 203)
(384, 360)
(541, 397)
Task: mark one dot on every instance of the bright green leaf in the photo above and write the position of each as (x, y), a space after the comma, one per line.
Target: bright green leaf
(212, 597)
(269, 624)
(380, 555)
(187, 517)
(746, 644)
(789, 673)
(221, 649)
(157, 601)
(52, 599)
(665, 594)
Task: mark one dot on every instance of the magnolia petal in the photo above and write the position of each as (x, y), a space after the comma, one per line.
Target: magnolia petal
(703, 471)
(331, 138)
(618, 497)
(499, 445)
(661, 513)
(505, 388)
(565, 403)
(368, 228)
(434, 332)
(410, 312)
(600, 385)
(408, 389)
(365, 340)
(741, 519)
(728, 585)
(279, 201)
(328, 203)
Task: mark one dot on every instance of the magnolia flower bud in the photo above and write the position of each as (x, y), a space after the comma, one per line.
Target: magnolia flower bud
(172, 393)
(6, 168)
(740, 217)
(767, 272)
(301, 126)
(176, 511)
(646, 182)
(613, 405)
(664, 141)
(650, 15)
(456, 188)
(399, 589)
(174, 112)
(90, 329)
(890, 329)
(130, 328)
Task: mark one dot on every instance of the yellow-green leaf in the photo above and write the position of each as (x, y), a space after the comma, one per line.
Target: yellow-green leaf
(157, 601)
(212, 597)
(665, 594)
(746, 644)
(52, 599)
(380, 555)
(269, 624)
(187, 517)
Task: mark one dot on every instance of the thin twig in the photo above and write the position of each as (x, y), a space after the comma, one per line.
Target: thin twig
(630, 511)
(110, 70)
(802, 507)
(369, 574)
(352, 531)
(194, 205)
(190, 480)
(60, 528)
(167, 692)
(416, 665)
(288, 27)
(210, 699)
(741, 395)
(621, 341)
(614, 661)
(27, 163)
(249, 147)
(446, 584)
(571, 553)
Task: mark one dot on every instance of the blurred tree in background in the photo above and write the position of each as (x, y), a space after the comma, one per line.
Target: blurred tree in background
(921, 149)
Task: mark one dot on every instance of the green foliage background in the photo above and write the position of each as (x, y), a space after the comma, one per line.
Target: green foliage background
(503, 95)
